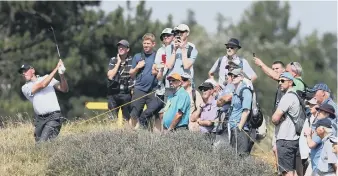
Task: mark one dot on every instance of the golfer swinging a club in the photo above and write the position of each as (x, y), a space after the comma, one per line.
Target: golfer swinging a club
(41, 92)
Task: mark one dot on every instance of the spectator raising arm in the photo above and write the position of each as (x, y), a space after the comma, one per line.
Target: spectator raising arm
(267, 70)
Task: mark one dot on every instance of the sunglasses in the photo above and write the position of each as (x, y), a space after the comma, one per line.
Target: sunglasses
(172, 80)
(185, 79)
(233, 76)
(182, 31)
(167, 35)
(282, 80)
(205, 89)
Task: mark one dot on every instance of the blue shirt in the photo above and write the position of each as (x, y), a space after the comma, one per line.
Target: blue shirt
(145, 81)
(180, 101)
(238, 106)
(178, 66)
(315, 153)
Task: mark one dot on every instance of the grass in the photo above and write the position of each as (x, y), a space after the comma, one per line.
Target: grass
(99, 148)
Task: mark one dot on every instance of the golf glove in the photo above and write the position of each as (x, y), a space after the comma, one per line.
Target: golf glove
(62, 69)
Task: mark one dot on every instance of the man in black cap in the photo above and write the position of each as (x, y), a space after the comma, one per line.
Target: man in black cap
(41, 92)
(220, 66)
(119, 81)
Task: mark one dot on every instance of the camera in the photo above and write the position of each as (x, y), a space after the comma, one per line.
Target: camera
(124, 85)
(307, 94)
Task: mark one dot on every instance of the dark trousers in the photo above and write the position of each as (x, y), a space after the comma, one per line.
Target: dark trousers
(154, 105)
(47, 127)
(240, 141)
(117, 100)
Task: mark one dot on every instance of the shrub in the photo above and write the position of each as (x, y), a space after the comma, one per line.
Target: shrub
(143, 153)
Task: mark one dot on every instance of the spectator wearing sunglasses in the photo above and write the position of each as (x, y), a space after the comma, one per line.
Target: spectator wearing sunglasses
(241, 107)
(207, 112)
(220, 66)
(166, 37)
(181, 55)
(286, 138)
(177, 110)
(195, 100)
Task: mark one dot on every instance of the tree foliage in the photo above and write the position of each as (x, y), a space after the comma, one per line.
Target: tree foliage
(87, 39)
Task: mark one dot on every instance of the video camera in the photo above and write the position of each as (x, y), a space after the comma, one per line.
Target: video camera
(307, 94)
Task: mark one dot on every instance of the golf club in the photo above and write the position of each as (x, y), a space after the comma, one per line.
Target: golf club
(56, 44)
(48, 22)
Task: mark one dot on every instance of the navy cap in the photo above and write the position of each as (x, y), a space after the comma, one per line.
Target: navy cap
(323, 122)
(24, 67)
(124, 43)
(206, 85)
(321, 86)
(233, 42)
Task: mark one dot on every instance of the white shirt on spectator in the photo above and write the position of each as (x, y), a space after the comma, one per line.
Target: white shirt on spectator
(45, 100)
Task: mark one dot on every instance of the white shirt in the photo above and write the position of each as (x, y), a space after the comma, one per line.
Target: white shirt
(45, 100)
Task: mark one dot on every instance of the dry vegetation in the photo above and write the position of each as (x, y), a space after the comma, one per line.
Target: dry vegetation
(99, 148)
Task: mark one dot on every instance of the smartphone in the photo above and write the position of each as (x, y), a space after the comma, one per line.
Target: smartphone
(178, 37)
(254, 54)
(164, 58)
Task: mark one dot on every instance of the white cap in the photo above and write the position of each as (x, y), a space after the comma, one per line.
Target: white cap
(167, 31)
(182, 27)
(186, 75)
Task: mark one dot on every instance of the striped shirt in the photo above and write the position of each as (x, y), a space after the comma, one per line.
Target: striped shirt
(123, 70)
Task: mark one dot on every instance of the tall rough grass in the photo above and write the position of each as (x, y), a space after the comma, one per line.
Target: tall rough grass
(143, 153)
(100, 149)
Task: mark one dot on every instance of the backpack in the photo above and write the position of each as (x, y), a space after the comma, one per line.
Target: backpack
(255, 117)
(298, 121)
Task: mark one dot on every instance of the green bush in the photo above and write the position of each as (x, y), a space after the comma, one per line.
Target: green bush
(143, 153)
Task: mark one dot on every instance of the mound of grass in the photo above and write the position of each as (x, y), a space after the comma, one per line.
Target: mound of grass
(142, 153)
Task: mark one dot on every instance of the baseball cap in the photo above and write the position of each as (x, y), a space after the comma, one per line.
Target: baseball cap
(334, 140)
(124, 43)
(236, 71)
(213, 82)
(313, 101)
(323, 122)
(24, 67)
(327, 108)
(182, 27)
(233, 64)
(166, 31)
(186, 76)
(287, 75)
(321, 86)
(205, 86)
(175, 76)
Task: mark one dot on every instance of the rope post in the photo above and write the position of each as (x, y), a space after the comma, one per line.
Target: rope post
(120, 119)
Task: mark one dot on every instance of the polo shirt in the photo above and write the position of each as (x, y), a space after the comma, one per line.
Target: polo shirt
(238, 106)
(45, 100)
(144, 80)
(209, 112)
(179, 101)
(178, 66)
